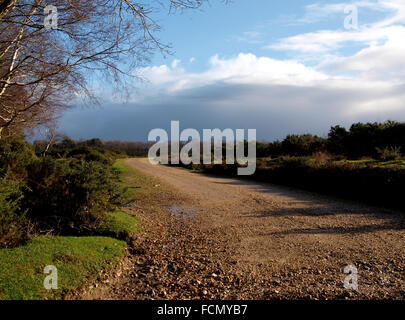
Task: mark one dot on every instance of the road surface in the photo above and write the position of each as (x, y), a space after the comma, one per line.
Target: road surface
(220, 238)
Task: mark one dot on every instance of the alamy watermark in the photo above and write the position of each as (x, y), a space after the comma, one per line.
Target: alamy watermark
(228, 140)
(51, 281)
(351, 281)
(51, 17)
(352, 20)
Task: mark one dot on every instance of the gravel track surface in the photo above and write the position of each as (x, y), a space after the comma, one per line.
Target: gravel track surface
(217, 238)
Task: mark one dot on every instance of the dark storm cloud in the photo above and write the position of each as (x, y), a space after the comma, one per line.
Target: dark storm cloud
(274, 110)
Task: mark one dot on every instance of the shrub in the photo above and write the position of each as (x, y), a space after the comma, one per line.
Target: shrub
(16, 155)
(91, 154)
(13, 223)
(293, 162)
(302, 145)
(67, 195)
(62, 193)
(321, 158)
(389, 153)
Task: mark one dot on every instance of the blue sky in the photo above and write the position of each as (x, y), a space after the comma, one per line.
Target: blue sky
(248, 26)
(276, 66)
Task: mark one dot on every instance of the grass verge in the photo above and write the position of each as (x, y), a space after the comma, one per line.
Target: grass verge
(135, 185)
(120, 225)
(77, 259)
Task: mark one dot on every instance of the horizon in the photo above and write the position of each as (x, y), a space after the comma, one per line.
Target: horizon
(40, 137)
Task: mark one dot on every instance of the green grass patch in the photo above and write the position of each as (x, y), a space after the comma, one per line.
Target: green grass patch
(121, 166)
(135, 185)
(400, 164)
(77, 259)
(120, 225)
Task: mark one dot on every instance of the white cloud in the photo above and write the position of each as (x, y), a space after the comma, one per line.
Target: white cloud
(370, 81)
(376, 62)
(317, 12)
(382, 44)
(309, 89)
(175, 63)
(380, 59)
(243, 69)
(330, 40)
(398, 7)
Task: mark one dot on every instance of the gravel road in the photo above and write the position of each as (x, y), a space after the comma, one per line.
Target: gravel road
(219, 238)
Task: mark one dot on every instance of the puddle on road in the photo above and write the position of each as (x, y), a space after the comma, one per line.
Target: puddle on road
(131, 205)
(182, 212)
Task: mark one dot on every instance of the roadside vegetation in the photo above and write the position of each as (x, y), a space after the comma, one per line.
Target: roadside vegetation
(77, 259)
(57, 208)
(364, 163)
(135, 186)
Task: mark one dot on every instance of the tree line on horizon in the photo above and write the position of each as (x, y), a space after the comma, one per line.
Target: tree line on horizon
(62, 143)
(375, 140)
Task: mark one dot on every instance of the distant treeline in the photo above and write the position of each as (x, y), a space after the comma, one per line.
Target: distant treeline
(61, 144)
(373, 140)
(361, 140)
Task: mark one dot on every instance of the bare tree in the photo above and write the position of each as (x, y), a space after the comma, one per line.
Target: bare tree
(42, 69)
(6, 6)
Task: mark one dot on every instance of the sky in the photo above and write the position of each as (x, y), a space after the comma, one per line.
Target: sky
(279, 67)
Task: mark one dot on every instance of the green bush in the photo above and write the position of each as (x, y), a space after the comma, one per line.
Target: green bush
(16, 156)
(302, 145)
(68, 195)
(65, 192)
(89, 154)
(13, 223)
